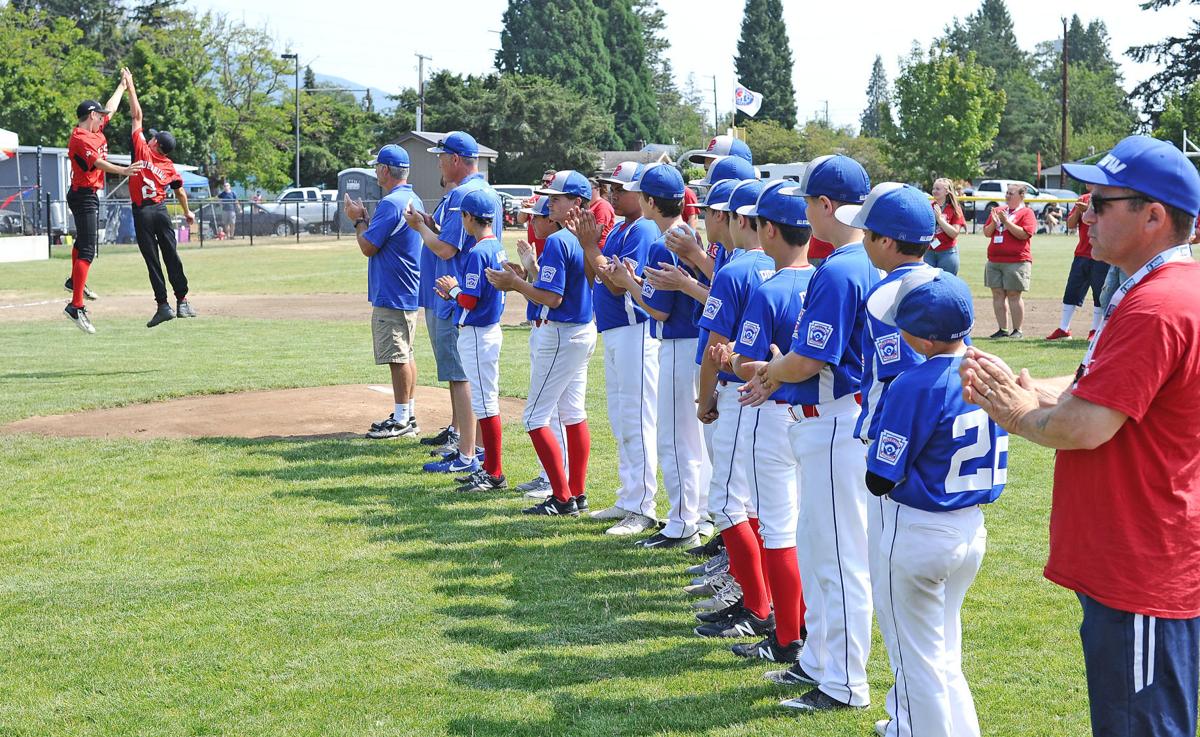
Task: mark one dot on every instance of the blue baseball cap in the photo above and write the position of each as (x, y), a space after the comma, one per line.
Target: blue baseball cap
(927, 302)
(390, 155)
(1147, 165)
(896, 210)
(727, 167)
(568, 182)
(723, 146)
(626, 172)
(837, 177)
(744, 195)
(457, 142)
(777, 207)
(480, 203)
(541, 207)
(659, 180)
(718, 195)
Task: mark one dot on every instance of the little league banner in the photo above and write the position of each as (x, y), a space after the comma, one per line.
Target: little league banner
(746, 100)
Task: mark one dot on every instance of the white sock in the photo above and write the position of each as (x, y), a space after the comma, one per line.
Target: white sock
(1097, 316)
(1068, 313)
(401, 414)
(466, 458)
(412, 408)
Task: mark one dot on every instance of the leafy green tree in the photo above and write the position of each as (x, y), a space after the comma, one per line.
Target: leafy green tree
(337, 133)
(764, 61)
(1027, 126)
(947, 116)
(819, 139)
(103, 23)
(876, 119)
(770, 142)
(684, 121)
(988, 32)
(1182, 113)
(1178, 57)
(45, 71)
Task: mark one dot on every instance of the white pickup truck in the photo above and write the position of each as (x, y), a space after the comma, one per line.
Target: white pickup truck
(312, 204)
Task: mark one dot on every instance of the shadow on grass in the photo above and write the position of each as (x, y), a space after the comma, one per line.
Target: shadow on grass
(68, 374)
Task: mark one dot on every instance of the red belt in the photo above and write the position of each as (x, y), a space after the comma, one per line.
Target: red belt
(539, 323)
(810, 410)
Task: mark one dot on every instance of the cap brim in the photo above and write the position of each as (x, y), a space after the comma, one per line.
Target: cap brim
(700, 157)
(702, 182)
(719, 207)
(886, 298)
(851, 215)
(1090, 174)
(436, 150)
(373, 162)
(750, 211)
(531, 211)
(634, 186)
(609, 180)
(548, 192)
(796, 191)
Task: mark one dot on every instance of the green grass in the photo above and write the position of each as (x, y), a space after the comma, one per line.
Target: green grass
(326, 587)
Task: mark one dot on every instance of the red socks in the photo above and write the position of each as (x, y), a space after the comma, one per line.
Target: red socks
(759, 540)
(579, 445)
(783, 572)
(550, 455)
(746, 567)
(79, 272)
(493, 436)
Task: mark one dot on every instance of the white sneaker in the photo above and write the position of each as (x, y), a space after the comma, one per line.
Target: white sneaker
(632, 524)
(610, 513)
(881, 727)
(705, 528)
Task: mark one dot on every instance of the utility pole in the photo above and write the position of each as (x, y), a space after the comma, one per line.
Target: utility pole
(296, 58)
(421, 90)
(1062, 159)
(716, 115)
(827, 113)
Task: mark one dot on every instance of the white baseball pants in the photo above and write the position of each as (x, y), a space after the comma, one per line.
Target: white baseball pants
(927, 562)
(681, 453)
(556, 425)
(631, 374)
(558, 373)
(772, 474)
(479, 350)
(831, 545)
(728, 493)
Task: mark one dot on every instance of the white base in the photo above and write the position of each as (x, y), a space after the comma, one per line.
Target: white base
(23, 248)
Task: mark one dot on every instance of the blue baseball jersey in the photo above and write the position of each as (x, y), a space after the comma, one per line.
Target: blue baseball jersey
(885, 356)
(677, 305)
(942, 453)
(771, 317)
(448, 216)
(394, 274)
(730, 293)
(560, 270)
(625, 241)
(485, 254)
(832, 324)
(720, 256)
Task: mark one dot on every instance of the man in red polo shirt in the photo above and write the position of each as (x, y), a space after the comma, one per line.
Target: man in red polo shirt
(603, 211)
(1086, 273)
(1124, 525)
(1009, 259)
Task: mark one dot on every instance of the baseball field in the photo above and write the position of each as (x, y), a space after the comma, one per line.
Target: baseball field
(179, 558)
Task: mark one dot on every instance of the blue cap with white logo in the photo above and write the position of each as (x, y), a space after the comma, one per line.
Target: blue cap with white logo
(745, 194)
(480, 203)
(894, 210)
(541, 207)
(568, 182)
(837, 177)
(718, 195)
(928, 303)
(1152, 167)
(390, 155)
(457, 142)
(659, 180)
(727, 167)
(723, 146)
(772, 204)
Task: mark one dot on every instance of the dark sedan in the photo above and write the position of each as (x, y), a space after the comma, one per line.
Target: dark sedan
(250, 218)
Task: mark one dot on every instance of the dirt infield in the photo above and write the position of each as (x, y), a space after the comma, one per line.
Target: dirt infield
(317, 412)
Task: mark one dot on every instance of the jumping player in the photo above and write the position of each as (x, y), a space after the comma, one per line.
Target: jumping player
(479, 335)
(558, 371)
(88, 152)
(935, 461)
(151, 221)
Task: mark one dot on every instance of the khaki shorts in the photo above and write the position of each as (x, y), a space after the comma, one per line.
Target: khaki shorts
(393, 332)
(1011, 277)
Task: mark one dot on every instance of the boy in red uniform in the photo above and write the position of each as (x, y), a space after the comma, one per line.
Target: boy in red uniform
(151, 221)
(88, 152)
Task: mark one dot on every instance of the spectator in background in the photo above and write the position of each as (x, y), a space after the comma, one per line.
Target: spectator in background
(691, 207)
(602, 210)
(229, 206)
(257, 198)
(1085, 273)
(1052, 216)
(524, 217)
(1196, 233)
(1009, 267)
(943, 252)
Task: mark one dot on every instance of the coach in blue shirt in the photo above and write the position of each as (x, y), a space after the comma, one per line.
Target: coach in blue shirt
(393, 279)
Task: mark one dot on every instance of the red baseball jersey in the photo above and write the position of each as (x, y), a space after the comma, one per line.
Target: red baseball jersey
(1085, 246)
(605, 218)
(149, 186)
(818, 248)
(690, 210)
(1006, 247)
(941, 241)
(84, 150)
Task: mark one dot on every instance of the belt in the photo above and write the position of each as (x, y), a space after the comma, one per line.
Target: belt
(93, 190)
(539, 323)
(809, 411)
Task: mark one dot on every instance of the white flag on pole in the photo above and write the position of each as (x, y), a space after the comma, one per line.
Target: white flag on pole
(8, 144)
(747, 101)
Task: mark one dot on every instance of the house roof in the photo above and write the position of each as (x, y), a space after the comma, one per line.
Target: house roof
(432, 137)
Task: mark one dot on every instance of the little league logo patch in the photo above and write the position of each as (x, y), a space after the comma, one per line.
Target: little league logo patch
(711, 308)
(548, 273)
(749, 333)
(472, 281)
(888, 348)
(818, 333)
(647, 290)
(891, 447)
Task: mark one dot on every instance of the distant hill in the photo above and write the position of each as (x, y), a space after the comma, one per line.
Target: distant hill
(379, 97)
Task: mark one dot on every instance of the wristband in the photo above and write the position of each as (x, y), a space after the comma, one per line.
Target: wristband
(360, 221)
(454, 292)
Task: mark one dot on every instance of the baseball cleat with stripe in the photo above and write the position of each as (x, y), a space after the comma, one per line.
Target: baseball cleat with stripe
(816, 700)
(742, 624)
(794, 675)
(452, 463)
(711, 585)
(79, 316)
(769, 649)
(445, 436)
(721, 599)
(183, 308)
(537, 483)
(631, 524)
(715, 564)
(88, 294)
(660, 541)
(554, 508)
(483, 481)
(718, 615)
(714, 545)
(581, 503)
(613, 512)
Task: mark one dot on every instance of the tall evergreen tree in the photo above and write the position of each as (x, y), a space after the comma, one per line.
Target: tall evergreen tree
(989, 33)
(1178, 57)
(635, 107)
(876, 118)
(764, 61)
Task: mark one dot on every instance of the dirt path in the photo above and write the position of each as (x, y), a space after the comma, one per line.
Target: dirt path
(317, 412)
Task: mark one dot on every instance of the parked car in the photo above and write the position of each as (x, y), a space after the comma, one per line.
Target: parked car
(981, 210)
(251, 218)
(12, 222)
(308, 203)
(521, 192)
(512, 206)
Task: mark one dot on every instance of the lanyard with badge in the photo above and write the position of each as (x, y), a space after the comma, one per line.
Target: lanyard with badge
(1174, 254)
(1001, 229)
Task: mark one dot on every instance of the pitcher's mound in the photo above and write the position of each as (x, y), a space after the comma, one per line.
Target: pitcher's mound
(320, 412)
